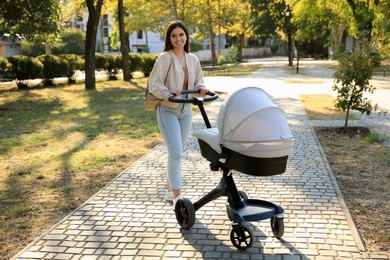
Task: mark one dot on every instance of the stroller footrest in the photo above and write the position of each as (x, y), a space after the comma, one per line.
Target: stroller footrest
(252, 210)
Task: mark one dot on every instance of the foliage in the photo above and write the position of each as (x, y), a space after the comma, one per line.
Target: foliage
(24, 68)
(135, 61)
(233, 55)
(54, 67)
(76, 62)
(101, 62)
(72, 41)
(4, 68)
(147, 64)
(32, 48)
(33, 18)
(354, 73)
(268, 17)
(113, 66)
(220, 60)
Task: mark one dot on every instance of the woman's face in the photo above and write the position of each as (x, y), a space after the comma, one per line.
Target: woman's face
(178, 38)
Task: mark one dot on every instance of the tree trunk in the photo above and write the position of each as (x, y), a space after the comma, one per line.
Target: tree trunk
(90, 42)
(289, 48)
(211, 32)
(124, 48)
(212, 45)
(241, 45)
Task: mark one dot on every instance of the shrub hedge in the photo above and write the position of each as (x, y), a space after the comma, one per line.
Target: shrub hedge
(23, 68)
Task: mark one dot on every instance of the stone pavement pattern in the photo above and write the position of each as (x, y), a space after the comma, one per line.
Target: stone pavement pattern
(129, 218)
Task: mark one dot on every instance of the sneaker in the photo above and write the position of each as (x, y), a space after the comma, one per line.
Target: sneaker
(176, 200)
(168, 196)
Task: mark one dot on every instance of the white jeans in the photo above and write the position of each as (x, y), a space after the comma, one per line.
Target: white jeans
(175, 126)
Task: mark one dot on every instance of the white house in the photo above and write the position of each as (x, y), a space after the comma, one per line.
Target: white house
(10, 45)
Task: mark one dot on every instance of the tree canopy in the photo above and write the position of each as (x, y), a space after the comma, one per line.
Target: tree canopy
(32, 18)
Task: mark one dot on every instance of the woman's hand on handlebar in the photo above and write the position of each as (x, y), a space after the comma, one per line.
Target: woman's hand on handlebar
(177, 93)
(203, 91)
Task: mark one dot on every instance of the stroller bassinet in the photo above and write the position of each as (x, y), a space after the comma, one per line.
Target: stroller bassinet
(252, 136)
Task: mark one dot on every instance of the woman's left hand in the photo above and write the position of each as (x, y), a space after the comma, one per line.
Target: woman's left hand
(203, 91)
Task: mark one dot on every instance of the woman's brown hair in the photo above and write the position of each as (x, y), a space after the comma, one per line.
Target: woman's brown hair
(167, 40)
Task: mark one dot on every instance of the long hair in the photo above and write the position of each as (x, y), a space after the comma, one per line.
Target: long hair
(167, 40)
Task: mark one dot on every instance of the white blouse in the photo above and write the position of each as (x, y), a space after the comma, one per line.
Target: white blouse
(168, 75)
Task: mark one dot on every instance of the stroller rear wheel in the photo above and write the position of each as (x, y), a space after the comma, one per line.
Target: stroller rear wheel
(185, 213)
(277, 226)
(241, 237)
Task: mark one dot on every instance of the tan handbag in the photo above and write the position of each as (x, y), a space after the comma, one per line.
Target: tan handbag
(151, 102)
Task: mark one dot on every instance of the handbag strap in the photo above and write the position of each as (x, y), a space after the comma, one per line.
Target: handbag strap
(169, 68)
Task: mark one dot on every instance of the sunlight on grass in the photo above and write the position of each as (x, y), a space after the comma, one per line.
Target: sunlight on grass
(321, 107)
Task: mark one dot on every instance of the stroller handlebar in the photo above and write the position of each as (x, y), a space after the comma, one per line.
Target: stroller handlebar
(193, 100)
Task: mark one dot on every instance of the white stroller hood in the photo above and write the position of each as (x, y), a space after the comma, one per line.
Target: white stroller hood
(251, 124)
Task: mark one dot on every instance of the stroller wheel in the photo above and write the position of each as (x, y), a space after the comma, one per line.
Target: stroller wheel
(241, 237)
(277, 226)
(185, 213)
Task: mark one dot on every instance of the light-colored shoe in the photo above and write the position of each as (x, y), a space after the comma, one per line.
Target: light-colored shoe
(179, 197)
(168, 196)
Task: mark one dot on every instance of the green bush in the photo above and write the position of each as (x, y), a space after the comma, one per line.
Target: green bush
(233, 55)
(76, 62)
(101, 62)
(54, 67)
(135, 62)
(147, 63)
(352, 82)
(24, 68)
(220, 60)
(31, 48)
(5, 66)
(72, 41)
(114, 64)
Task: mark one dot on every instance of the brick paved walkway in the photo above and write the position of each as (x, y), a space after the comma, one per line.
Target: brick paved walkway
(129, 219)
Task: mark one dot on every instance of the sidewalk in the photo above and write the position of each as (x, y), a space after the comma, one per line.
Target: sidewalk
(129, 218)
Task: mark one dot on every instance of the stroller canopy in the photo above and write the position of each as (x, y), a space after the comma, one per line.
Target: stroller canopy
(251, 124)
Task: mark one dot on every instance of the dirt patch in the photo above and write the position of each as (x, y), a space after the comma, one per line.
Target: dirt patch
(361, 165)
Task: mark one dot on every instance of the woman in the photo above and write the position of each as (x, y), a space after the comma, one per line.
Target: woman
(176, 69)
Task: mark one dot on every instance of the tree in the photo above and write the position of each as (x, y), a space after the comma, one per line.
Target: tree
(269, 18)
(72, 41)
(32, 18)
(125, 49)
(37, 20)
(94, 11)
(239, 22)
(354, 73)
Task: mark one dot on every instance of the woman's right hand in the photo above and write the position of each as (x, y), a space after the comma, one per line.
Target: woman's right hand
(177, 93)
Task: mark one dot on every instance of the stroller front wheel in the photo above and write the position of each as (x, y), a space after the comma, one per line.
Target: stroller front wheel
(185, 213)
(241, 237)
(277, 226)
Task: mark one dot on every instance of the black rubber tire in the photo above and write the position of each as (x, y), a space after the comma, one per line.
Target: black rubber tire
(277, 226)
(185, 213)
(242, 243)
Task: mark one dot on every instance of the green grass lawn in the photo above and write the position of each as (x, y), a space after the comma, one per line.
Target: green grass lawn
(60, 145)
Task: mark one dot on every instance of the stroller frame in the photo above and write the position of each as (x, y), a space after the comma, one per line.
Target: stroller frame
(240, 209)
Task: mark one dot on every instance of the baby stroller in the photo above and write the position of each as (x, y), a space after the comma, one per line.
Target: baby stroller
(252, 137)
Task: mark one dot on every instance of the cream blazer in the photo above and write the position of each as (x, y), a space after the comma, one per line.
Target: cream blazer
(167, 75)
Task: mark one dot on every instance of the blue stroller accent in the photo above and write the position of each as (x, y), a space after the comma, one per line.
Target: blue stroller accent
(252, 137)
